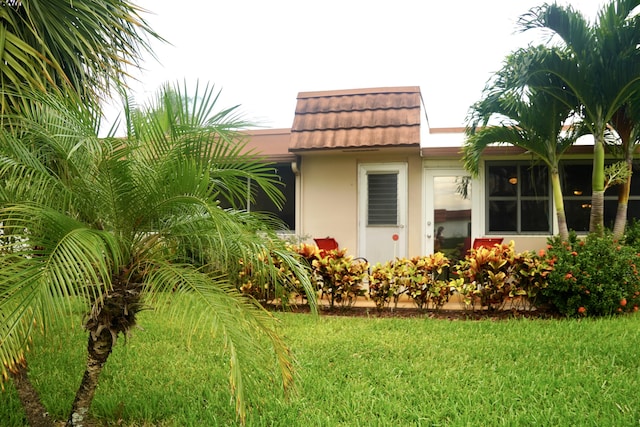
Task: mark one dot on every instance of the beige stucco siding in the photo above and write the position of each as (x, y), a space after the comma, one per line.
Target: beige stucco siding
(329, 201)
(415, 233)
(329, 198)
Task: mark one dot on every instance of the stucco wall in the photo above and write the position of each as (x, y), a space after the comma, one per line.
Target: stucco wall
(329, 196)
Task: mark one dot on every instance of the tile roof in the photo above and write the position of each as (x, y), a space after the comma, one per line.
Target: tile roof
(357, 118)
(272, 144)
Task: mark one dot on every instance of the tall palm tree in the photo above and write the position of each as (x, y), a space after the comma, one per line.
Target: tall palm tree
(626, 123)
(78, 47)
(622, 28)
(527, 118)
(125, 223)
(601, 69)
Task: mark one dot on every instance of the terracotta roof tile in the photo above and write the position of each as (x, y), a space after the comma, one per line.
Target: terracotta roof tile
(273, 144)
(357, 118)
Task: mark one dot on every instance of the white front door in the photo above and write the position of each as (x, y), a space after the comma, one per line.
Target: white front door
(382, 211)
(447, 212)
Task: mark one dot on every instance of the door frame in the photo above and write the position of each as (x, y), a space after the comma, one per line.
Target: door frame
(402, 168)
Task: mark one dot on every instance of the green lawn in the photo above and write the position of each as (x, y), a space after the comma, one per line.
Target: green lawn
(368, 372)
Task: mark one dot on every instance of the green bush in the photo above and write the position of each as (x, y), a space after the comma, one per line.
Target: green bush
(595, 276)
(340, 276)
(632, 235)
(429, 285)
(383, 285)
(496, 275)
(423, 279)
(278, 285)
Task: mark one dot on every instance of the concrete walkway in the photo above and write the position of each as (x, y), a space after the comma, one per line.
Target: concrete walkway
(455, 303)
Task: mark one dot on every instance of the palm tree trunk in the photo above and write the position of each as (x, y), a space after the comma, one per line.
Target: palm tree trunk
(620, 223)
(596, 220)
(37, 415)
(563, 231)
(99, 348)
(621, 220)
(623, 126)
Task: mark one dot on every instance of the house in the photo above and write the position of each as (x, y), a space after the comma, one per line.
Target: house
(363, 166)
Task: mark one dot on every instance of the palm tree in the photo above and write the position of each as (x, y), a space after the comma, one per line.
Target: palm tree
(626, 123)
(600, 68)
(622, 28)
(528, 118)
(121, 224)
(77, 47)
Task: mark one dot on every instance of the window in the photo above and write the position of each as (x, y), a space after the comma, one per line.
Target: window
(382, 194)
(262, 202)
(288, 212)
(575, 177)
(518, 198)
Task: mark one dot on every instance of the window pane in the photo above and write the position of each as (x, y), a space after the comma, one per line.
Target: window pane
(635, 184)
(610, 212)
(382, 199)
(263, 203)
(635, 180)
(576, 179)
(633, 210)
(503, 216)
(577, 212)
(503, 180)
(535, 181)
(535, 216)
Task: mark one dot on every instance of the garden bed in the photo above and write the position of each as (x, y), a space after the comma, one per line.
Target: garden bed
(409, 311)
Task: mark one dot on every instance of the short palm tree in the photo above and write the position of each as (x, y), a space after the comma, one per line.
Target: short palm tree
(122, 224)
(601, 68)
(527, 118)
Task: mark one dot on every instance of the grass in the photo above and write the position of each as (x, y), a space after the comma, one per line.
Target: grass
(366, 372)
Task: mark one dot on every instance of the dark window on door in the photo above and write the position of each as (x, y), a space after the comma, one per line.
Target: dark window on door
(382, 199)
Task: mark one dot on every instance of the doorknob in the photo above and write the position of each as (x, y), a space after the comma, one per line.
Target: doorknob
(428, 236)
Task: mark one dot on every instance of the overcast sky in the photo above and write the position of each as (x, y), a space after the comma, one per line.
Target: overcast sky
(262, 53)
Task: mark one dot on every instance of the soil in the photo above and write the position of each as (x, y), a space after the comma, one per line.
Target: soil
(415, 312)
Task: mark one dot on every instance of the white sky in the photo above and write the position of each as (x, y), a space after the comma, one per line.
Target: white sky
(262, 53)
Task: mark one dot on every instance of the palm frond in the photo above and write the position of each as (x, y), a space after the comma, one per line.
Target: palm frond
(564, 21)
(244, 326)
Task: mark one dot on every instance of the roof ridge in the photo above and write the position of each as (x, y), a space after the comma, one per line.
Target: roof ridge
(363, 91)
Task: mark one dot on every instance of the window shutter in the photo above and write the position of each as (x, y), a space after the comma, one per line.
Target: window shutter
(382, 199)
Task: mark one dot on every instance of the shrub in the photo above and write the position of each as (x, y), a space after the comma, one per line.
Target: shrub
(424, 279)
(340, 276)
(532, 272)
(383, 285)
(593, 276)
(495, 275)
(279, 284)
(429, 285)
(632, 235)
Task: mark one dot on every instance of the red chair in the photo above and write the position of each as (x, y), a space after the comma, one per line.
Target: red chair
(326, 244)
(486, 242)
(329, 244)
